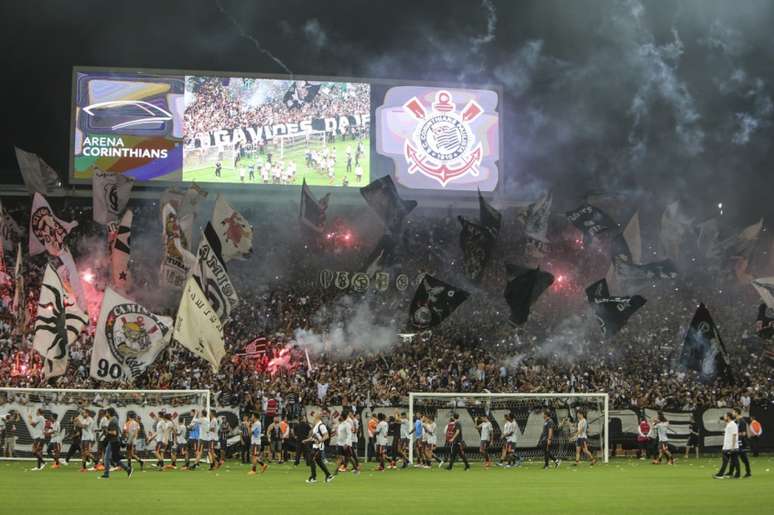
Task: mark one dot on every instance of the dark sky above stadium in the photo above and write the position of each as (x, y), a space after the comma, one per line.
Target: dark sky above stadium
(660, 100)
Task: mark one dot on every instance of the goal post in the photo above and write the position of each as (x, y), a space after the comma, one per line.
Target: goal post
(18, 405)
(526, 408)
(295, 145)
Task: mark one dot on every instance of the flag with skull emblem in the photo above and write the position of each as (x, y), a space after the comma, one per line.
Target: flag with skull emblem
(611, 312)
(433, 302)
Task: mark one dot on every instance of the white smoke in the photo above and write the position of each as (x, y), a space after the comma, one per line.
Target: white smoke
(570, 339)
(315, 34)
(351, 329)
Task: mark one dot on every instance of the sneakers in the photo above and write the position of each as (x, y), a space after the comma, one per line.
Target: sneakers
(55, 466)
(130, 472)
(263, 468)
(102, 477)
(719, 476)
(746, 476)
(440, 464)
(557, 463)
(310, 481)
(329, 479)
(251, 473)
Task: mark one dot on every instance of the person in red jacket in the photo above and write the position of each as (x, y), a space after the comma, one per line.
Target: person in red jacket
(643, 439)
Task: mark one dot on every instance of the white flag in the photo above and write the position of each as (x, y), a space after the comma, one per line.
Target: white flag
(120, 248)
(211, 275)
(197, 327)
(68, 272)
(47, 232)
(765, 288)
(10, 231)
(537, 217)
(177, 260)
(57, 325)
(110, 193)
(128, 339)
(37, 175)
(233, 231)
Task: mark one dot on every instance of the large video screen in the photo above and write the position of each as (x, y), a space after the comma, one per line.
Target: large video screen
(172, 127)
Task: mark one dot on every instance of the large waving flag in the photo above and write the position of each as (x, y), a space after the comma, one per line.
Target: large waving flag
(433, 302)
(524, 287)
(232, 230)
(57, 325)
(37, 175)
(476, 242)
(591, 221)
(120, 250)
(211, 275)
(128, 339)
(198, 327)
(312, 211)
(47, 232)
(536, 219)
(488, 215)
(612, 312)
(177, 260)
(703, 349)
(110, 195)
(383, 198)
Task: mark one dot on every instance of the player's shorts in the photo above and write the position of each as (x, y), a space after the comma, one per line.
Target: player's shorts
(86, 445)
(508, 446)
(484, 445)
(182, 447)
(404, 442)
(255, 449)
(161, 446)
(580, 442)
(663, 444)
(381, 449)
(39, 441)
(693, 441)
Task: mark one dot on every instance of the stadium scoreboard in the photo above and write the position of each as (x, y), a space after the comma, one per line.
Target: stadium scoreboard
(165, 127)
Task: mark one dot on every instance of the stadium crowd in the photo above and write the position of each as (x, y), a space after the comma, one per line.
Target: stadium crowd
(475, 349)
(218, 106)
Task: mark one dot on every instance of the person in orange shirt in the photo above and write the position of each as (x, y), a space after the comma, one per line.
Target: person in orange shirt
(285, 431)
(756, 430)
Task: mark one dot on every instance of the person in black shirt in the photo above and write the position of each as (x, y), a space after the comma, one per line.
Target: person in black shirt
(546, 438)
(300, 432)
(743, 442)
(693, 439)
(113, 446)
(454, 439)
(75, 443)
(244, 431)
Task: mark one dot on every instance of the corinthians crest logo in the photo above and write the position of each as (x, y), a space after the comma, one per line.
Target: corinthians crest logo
(442, 145)
(131, 330)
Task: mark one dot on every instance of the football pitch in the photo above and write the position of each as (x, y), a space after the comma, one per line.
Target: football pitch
(313, 177)
(623, 486)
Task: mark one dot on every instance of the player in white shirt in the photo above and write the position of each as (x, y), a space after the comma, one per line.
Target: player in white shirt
(430, 437)
(354, 423)
(662, 431)
(37, 423)
(317, 437)
(730, 447)
(582, 438)
(168, 439)
(132, 435)
(154, 439)
(344, 437)
(56, 436)
(179, 432)
(510, 435)
(403, 443)
(256, 433)
(102, 423)
(86, 423)
(265, 172)
(212, 438)
(382, 428)
(486, 430)
(358, 173)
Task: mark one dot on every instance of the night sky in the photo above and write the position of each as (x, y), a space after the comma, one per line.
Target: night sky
(656, 101)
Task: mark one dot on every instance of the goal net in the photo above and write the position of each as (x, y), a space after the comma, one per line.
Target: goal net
(526, 410)
(295, 146)
(19, 409)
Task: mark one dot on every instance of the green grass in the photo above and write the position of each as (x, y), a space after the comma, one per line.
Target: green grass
(313, 177)
(623, 486)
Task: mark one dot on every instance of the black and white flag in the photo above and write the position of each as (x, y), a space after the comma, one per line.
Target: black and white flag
(536, 219)
(703, 349)
(382, 256)
(233, 230)
(312, 211)
(300, 93)
(591, 221)
(488, 215)
(634, 277)
(433, 302)
(211, 275)
(58, 323)
(765, 288)
(612, 312)
(110, 193)
(523, 288)
(476, 242)
(382, 196)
